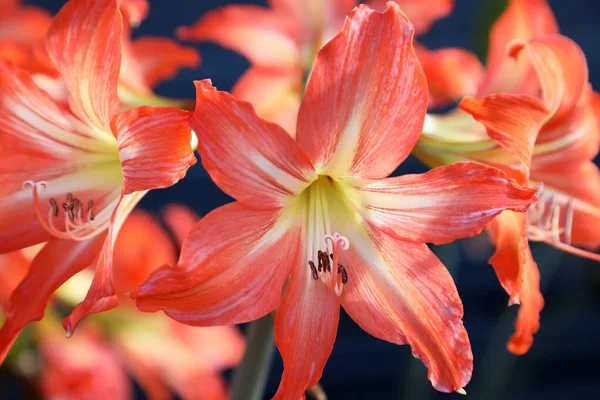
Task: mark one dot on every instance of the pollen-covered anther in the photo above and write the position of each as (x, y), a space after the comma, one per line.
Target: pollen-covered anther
(76, 226)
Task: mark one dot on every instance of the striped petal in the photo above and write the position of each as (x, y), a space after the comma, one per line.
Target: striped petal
(252, 160)
(442, 205)
(231, 270)
(356, 120)
(422, 13)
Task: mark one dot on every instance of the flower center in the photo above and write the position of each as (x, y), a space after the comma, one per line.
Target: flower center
(546, 224)
(322, 205)
(79, 222)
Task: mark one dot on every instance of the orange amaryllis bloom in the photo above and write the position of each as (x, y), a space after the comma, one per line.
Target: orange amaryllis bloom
(281, 43)
(553, 149)
(70, 176)
(319, 211)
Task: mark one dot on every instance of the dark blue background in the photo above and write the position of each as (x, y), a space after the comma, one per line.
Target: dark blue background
(564, 360)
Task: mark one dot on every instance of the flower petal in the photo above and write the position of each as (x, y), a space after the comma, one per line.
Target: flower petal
(154, 147)
(84, 42)
(513, 121)
(231, 270)
(400, 292)
(422, 13)
(532, 303)
(508, 232)
(263, 36)
(24, 23)
(562, 71)
(102, 295)
(180, 220)
(362, 114)
(274, 93)
(160, 59)
(54, 264)
(305, 330)
(452, 73)
(13, 268)
(254, 161)
(442, 205)
(134, 11)
(522, 20)
(142, 245)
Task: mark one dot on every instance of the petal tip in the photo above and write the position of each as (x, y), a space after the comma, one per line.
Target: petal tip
(461, 391)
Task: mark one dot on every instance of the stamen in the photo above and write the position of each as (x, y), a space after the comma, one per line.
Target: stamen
(76, 228)
(313, 269)
(544, 220)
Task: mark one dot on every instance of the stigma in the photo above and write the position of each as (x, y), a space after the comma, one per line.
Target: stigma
(328, 268)
(78, 220)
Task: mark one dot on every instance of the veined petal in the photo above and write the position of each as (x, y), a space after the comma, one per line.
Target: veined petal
(180, 220)
(274, 93)
(422, 13)
(452, 74)
(508, 232)
(562, 71)
(102, 295)
(522, 20)
(13, 268)
(400, 292)
(84, 42)
(532, 303)
(231, 270)
(252, 160)
(354, 119)
(442, 205)
(263, 36)
(305, 330)
(154, 147)
(57, 262)
(513, 121)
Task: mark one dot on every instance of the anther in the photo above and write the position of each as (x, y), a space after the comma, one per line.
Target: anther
(342, 270)
(54, 206)
(313, 269)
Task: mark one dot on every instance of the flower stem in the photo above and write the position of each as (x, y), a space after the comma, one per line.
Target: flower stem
(250, 377)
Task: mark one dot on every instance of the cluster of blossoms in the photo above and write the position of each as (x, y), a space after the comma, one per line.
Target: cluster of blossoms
(338, 95)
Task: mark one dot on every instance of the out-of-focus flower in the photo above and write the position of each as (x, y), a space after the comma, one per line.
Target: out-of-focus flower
(70, 176)
(162, 355)
(146, 61)
(320, 212)
(281, 43)
(542, 128)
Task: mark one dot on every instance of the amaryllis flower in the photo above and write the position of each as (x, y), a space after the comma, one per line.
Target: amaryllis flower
(281, 43)
(70, 175)
(542, 128)
(319, 213)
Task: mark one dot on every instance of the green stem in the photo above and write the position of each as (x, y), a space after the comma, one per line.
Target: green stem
(250, 377)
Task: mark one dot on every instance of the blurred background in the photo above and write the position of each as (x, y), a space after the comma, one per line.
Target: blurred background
(564, 359)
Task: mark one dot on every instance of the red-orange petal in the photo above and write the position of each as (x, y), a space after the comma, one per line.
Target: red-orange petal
(532, 303)
(13, 268)
(55, 263)
(275, 94)
(442, 205)
(134, 11)
(84, 42)
(180, 220)
(252, 160)
(366, 99)
(23, 23)
(522, 20)
(263, 36)
(422, 13)
(513, 121)
(508, 232)
(305, 330)
(400, 292)
(452, 74)
(231, 269)
(154, 147)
